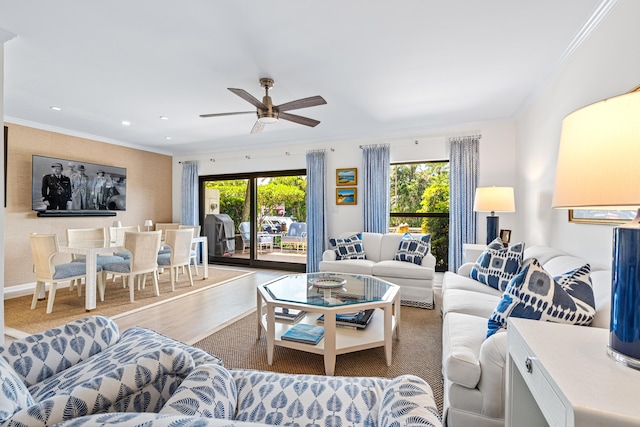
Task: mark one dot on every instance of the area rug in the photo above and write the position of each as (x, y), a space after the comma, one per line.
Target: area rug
(68, 306)
(418, 352)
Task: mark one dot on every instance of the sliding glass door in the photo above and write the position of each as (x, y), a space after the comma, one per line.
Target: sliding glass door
(256, 219)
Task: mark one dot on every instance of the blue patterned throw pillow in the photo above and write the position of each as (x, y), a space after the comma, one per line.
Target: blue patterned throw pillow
(535, 294)
(412, 249)
(349, 248)
(496, 267)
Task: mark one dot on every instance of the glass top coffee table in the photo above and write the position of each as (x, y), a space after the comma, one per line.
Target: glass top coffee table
(327, 294)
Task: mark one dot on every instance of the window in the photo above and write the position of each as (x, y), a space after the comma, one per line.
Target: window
(420, 204)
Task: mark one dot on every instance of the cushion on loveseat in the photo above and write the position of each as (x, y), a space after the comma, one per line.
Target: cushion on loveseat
(496, 267)
(115, 390)
(151, 420)
(289, 399)
(133, 343)
(209, 391)
(400, 406)
(348, 247)
(536, 294)
(401, 269)
(412, 249)
(13, 393)
(40, 356)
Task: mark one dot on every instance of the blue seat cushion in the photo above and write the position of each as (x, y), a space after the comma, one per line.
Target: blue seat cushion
(164, 259)
(118, 267)
(71, 269)
(123, 254)
(104, 259)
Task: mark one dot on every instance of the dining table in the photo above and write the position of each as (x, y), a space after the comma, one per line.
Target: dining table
(91, 250)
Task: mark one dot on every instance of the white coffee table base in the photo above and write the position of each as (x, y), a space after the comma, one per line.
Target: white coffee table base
(337, 340)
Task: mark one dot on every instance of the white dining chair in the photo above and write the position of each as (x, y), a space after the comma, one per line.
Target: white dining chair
(89, 237)
(194, 246)
(180, 255)
(44, 248)
(143, 247)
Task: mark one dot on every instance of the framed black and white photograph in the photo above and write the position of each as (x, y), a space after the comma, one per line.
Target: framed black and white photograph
(64, 185)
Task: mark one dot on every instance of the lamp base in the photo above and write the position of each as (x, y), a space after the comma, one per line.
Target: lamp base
(624, 331)
(623, 359)
(492, 228)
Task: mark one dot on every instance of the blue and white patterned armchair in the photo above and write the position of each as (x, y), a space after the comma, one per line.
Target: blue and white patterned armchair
(87, 367)
(86, 374)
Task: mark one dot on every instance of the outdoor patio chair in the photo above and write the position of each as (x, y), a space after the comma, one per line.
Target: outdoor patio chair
(296, 236)
(245, 232)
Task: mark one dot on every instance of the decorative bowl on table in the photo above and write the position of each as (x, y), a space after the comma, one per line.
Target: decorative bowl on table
(327, 282)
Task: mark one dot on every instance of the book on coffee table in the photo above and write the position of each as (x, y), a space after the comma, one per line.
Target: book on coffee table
(308, 334)
(288, 314)
(358, 319)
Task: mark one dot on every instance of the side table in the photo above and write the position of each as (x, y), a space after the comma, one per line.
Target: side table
(561, 375)
(471, 251)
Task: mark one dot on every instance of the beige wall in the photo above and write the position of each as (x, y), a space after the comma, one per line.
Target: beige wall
(148, 191)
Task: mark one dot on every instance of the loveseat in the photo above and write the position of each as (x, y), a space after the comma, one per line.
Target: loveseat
(87, 373)
(414, 278)
(473, 365)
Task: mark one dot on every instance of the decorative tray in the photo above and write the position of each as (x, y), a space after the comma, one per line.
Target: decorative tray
(327, 282)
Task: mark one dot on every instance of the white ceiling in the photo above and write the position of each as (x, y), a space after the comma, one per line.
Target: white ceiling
(385, 68)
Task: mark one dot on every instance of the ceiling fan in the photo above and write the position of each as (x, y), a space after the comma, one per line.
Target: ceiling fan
(268, 113)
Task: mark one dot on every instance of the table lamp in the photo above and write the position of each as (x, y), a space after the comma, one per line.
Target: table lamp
(117, 224)
(598, 169)
(493, 199)
(148, 223)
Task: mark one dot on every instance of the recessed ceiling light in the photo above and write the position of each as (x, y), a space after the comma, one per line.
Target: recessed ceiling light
(125, 123)
(53, 107)
(167, 137)
(164, 118)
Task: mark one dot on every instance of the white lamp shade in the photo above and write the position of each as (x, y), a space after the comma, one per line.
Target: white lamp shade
(117, 224)
(494, 199)
(598, 156)
(148, 223)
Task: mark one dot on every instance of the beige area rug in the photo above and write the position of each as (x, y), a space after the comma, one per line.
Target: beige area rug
(418, 352)
(68, 306)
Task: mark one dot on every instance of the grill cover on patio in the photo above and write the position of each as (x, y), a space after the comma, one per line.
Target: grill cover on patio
(220, 233)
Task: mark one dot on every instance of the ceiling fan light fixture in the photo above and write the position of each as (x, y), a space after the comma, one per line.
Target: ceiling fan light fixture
(267, 119)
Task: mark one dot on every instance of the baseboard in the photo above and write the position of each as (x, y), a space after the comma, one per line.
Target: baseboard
(27, 289)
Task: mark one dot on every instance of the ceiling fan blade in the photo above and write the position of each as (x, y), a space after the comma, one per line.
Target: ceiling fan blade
(248, 97)
(227, 114)
(299, 119)
(257, 127)
(312, 101)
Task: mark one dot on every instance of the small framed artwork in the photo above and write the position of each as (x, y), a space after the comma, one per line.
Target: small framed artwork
(505, 236)
(347, 176)
(346, 196)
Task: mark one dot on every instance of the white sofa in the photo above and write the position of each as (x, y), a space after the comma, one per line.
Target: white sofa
(415, 281)
(473, 366)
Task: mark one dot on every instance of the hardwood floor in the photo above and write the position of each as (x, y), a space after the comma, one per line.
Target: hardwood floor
(194, 317)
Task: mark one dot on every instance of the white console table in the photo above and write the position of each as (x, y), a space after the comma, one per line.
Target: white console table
(472, 251)
(561, 375)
